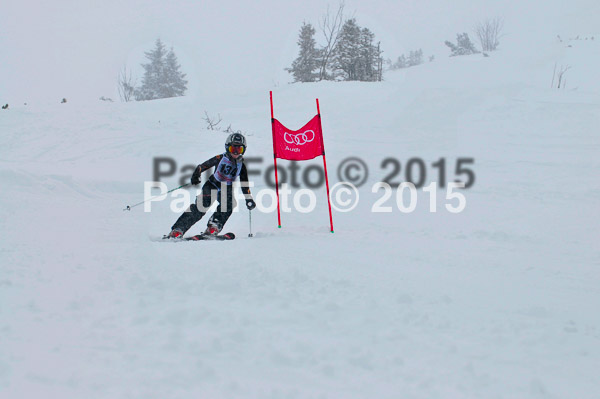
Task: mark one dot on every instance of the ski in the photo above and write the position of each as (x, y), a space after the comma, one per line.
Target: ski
(202, 237)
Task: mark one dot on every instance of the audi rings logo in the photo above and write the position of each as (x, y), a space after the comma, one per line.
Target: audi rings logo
(299, 138)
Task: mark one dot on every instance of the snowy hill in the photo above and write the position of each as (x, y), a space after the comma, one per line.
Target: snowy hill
(498, 301)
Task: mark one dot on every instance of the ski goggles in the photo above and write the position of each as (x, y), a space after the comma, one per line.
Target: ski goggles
(236, 149)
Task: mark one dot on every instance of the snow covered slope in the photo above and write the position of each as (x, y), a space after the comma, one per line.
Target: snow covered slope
(498, 301)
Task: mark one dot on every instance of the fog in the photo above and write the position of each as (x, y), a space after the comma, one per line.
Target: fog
(73, 49)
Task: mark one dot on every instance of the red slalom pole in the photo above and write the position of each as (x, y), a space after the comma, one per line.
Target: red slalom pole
(277, 191)
(325, 167)
(275, 161)
(328, 200)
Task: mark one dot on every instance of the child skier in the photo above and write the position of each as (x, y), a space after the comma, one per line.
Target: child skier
(229, 166)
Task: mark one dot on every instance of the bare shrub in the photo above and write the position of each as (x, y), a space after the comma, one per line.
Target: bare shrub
(488, 33)
(331, 27)
(126, 85)
(211, 122)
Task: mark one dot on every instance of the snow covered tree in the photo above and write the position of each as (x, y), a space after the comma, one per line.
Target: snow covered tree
(175, 85)
(153, 73)
(415, 58)
(463, 46)
(379, 63)
(400, 63)
(367, 65)
(355, 56)
(347, 53)
(305, 67)
(162, 77)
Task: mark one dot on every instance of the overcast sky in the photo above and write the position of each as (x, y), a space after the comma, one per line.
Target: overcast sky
(75, 48)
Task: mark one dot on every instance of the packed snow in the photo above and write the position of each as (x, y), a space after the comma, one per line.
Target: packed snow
(498, 301)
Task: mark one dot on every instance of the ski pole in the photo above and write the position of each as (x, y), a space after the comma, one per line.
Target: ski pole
(128, 207)
(250, 221)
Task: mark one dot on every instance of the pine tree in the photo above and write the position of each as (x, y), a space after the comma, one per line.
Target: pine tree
(304, 66)
(175, 85)
(355, 56)
(162, 78)
(380, 62)
(463, 46)
(348, 51)
(415, 58)
(153, 72)
(367, 62)
(400, 62)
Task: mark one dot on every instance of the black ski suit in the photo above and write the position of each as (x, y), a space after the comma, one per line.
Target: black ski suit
(216, 188)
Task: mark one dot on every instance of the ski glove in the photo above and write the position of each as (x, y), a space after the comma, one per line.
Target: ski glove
(250, 204)
(196, 177)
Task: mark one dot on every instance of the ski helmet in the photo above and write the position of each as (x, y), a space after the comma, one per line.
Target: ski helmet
(234, 141)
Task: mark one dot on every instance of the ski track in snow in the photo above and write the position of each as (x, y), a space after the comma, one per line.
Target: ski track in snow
(500, 301)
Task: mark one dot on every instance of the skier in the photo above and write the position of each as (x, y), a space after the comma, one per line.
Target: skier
(229, 166)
